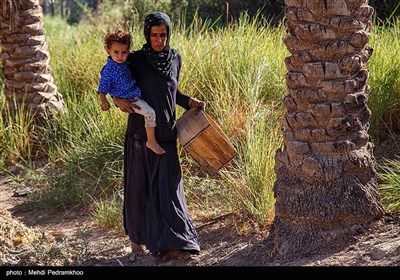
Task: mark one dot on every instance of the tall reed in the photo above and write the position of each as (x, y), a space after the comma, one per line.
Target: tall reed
(389, 189)
(239, 72)
(384, 67)
(17, 134)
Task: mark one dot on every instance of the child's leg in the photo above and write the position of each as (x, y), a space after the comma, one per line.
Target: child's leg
(152, 142)
(150, 124)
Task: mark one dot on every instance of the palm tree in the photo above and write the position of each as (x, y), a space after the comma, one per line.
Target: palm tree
(326, 178)
(25, 59)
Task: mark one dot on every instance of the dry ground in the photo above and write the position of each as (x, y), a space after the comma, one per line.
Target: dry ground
(73, 230)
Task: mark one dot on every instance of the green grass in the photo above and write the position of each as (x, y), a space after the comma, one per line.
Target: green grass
(85, 149)
(384, 67)
(17, 135)
(108, 212)
(238, 70)
(390, 188)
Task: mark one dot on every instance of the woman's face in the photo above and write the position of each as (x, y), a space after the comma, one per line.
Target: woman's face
(158, 37)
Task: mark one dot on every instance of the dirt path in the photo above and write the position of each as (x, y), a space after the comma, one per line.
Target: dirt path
(221, 245)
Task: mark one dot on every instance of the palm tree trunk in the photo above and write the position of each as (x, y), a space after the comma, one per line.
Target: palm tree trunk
(62, 8)
(25, 59)
(326, 177)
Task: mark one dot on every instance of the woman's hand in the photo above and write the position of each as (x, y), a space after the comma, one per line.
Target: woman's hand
(197, 104)
(124, 105)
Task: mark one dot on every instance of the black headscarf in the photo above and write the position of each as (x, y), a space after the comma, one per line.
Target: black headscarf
(161, 61)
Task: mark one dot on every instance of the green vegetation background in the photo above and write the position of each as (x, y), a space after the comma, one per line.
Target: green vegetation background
(238, 69)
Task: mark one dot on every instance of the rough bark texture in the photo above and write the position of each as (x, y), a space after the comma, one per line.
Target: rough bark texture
(25, 59)
(326, 178)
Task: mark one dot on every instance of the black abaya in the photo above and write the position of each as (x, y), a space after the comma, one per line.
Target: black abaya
(155, 208)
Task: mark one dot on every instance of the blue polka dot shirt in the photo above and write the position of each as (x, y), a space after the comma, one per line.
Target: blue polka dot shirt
(116, 80)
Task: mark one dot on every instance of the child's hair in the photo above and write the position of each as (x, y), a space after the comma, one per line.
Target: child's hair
(117, 36)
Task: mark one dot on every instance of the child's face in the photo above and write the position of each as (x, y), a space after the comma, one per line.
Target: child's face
(118, 52)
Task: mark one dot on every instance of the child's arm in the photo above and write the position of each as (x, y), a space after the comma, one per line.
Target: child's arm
(105, 105)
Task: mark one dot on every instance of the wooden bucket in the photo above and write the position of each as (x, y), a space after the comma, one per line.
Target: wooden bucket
(204, 140)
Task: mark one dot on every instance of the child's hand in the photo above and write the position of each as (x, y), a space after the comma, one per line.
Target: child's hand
(105, 106)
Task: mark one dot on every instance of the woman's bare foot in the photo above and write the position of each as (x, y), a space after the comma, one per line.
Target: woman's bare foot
(155, 147)
(136, 247)
(136, 250)
(174, 254)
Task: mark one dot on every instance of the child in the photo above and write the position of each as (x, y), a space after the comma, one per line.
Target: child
(116, 80)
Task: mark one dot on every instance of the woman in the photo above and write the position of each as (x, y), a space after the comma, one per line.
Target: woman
(155, 209)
